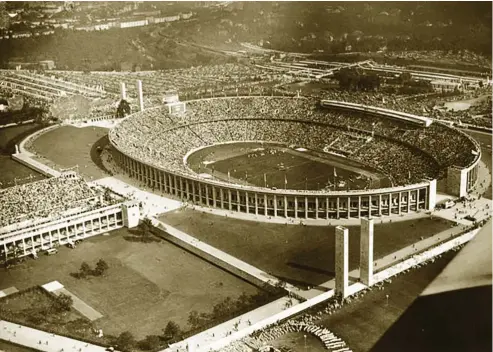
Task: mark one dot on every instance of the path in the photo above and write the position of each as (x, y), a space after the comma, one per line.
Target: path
(23, 335)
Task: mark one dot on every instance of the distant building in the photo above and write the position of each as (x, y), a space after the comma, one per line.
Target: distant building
(445, 86)
(47, 64)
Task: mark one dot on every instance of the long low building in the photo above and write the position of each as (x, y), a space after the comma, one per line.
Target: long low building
(420, 120)
(29, 233)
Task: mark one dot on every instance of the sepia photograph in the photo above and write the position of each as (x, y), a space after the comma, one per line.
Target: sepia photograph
(246, 176)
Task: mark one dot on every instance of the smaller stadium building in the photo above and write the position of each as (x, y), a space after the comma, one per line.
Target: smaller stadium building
(42, 215)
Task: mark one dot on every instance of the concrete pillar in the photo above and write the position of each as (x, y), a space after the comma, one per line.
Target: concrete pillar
(408, 201)
(316, 207)
(348, 207)
(207, 194)
(123, 91)
(399, 202)
(221, 194)
(275, 205)
(327, 208)
(214, 200)
(306, 207)
(337, 207)
(265, 205)
(229, 199)
(285, 206)
(247, 205)
(366, 251)
(341, 261)
(359, 207)
(379, 205)
(431, 195)
(200, 193)
(256, 203)
(141, 95)
(238, 201)
(194, 194)
(296, 207)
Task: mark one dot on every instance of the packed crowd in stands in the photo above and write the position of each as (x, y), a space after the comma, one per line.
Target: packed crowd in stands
(421, 105)
(42, 199)
(157, 82)
(408, 153)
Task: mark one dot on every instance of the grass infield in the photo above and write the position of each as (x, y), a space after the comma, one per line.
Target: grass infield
(270, 165)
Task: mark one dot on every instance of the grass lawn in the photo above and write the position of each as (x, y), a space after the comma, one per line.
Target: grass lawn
(301, 170)
(68, 146)
(146, 285)
(10, 169)
(302, 255)
(9, 347)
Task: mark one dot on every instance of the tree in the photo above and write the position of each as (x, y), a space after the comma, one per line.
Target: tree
(84, 270)
(172, 331)
(62, 303)
(126, 341)
(193, 319)
(101, 267)
(146, 226)
(123, 109)
(151, 342)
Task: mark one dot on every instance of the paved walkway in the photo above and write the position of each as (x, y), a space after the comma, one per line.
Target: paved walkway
(79, 305)
(22, 335)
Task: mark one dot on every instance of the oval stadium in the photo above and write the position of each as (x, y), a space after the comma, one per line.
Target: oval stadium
(331, 160)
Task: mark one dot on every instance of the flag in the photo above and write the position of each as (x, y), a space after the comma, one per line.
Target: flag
(265, 179)
(335, 173)
(285, 179)
(229, 175)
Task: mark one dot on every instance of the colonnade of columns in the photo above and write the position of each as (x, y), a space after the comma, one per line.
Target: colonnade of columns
(277, 204)
(47, 236)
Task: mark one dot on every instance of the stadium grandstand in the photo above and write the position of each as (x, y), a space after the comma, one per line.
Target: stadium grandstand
(412, 155)
(42, 215)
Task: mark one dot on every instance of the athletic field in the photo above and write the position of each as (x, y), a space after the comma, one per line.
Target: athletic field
(277, 166)
(68, 146)
(302, 255)
(12, 172)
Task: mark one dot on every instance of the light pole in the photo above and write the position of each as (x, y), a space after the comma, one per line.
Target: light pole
(305, 341)
(387, 297)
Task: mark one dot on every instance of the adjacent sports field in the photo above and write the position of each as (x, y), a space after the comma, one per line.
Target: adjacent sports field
(277, 166)
(68, 146)
(12, 172)
(302, 255)
(146, 286)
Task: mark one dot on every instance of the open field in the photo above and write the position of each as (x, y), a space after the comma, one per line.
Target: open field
(11, 169)
(157, 277)
(249, 162)
(68, 146)
(302, 255)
